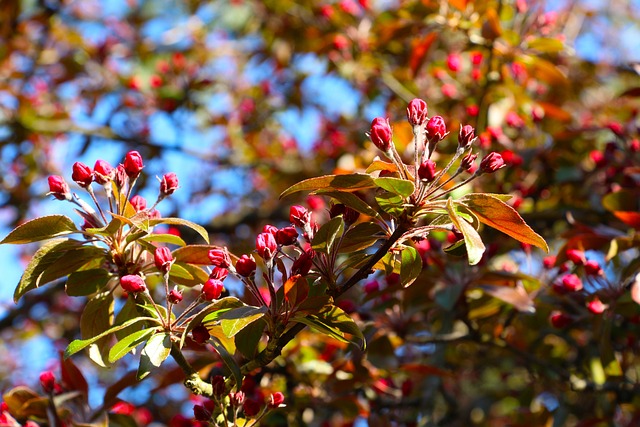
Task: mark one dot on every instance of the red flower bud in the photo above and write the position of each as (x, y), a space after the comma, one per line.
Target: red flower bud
(299, 216)
(436, 128)
(466, 136)
(596, 306)
(237, 398)
(200, 413)
(476, 58)
(133, 164)
(251, 407)
(169, 184)
(103, 172)
(276, 399)
(286, 236)
(59, 188)
(132, 283)
(82, 174)
(219, 388)
(271, 229)
(468, 162)
(219, 273)
(491, 163)
(200, 334)
(175, 296)
(212, 289)
(266, 245)
(559, 320)
(138, 202)
(48, 381)
(454, 62)
(549, 262)
(303, 264)
(571, 283)
(576, 256)
(380, 134)
(427, 170)
(371, 286)
(592, 268)
(220, 257)
(417, 112)
(246, 266)
(120, 176)
(123, 408)
(163, 259)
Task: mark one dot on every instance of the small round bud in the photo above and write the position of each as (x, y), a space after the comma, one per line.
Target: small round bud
(212, 289)
(237, 398)
(163, 259)
(381, 133)
(220, 257)
(251, 407)
(200, 334)
(559, 320)
(576, 256)
(436, 128)
(491, 163)
(466, 136)
(571, 283)
(219, 388)
(276, 400)
(175, 296)
(168, 184)
(132, 283)
(468, 162)
(59, 188)
(592, 268)
(48, 381)
(266, 245)
(454, 62)
(303, 264)
(246, 266)
(219, 273)
(427, 170)
(286, 236)
(596, 306)
(271, 229)
(82, 174)
(417, 112)
(139, 203)
(103, 172)
(133, 164)
(299, 216)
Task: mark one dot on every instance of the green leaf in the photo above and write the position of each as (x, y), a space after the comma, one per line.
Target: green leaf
(399, 186)
(351, 182)
(350, 200)
(96, 318)
(228, 360)
(130, 310)
(45, 227)
(71, 261)
(472, 240)
(87, 282)
(247, 340)
(210, 314)
(326, 238)
(361, 236)
(495, 213)
(128, 343)
(109, 230)
(391, 203)
(187, 274)
(335, 323)
(234, 320)
(164, 238)
(546, 44)
(153, 354)
(194, 254)
(77, 345)
(179, 221)
(411, 266)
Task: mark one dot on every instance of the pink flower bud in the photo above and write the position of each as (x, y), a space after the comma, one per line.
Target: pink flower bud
(251, 407)
(219, 257)
(133, 164)
(200, 334)
(576, 256)
(271, 229)
(549, 262)
(371, 286)
(82, 174)
(596, 306)
(175, 296)
(219, 273)
(286, 236)
(476, 58)
(59, 188)
(473, 110)
(436, 128)
(299, 216)
(491, 163)
(559, 320)
(139, 203)
(468, 162)
(169, 184)
(237, 399)
(276, 399)
(303, 264)
(592, 268)
(417, 112)
(454, 62)
(163, 259)
(466, 136)
(266, 245)
(103, 172)
(120, 176)
(48, 381)
(571, 283)
(246, 266)
(212, 289)
(427, 170)
(132, 283)
(380, 134)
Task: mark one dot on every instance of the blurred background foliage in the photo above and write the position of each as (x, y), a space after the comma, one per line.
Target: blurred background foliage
(245, 98)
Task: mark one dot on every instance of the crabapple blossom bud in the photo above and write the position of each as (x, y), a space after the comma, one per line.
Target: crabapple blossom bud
(454, 62)
(237, 398)
(139, 203)
(299, 216)
(349, 215)
(219, 257)
(436, 128)
(251, 407)
(571, 283)
(103, 172)
(303, 264)
(47, 381)
(491, 163)
(246, 266)
(466, 136)
(132, 283)
(271, 229)
(576, 256)
(175, 296)
(276, 399)
(219, 273)
(380, 134)
(286, 236)
(596, 306)
(592, 268)
(200, 334)
(476, 58)
(549, 262)
(559, 319)
(266, 245)
(154, 214)
(120, 176)
(82, 174)
(133, 164)
(212, 289)
(417, 112)
(59, 188)
(169, 184)
(468, 162)
(201, 414)
(163, 259)
(427, 170)
(219, 388)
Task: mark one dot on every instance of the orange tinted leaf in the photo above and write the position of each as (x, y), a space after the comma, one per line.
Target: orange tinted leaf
(555, 112)
(516, 296)
(296, 289)
(472, 240)
(629, 218)
(419, 50)
(459, 4)
(497, 214)
(351, 182)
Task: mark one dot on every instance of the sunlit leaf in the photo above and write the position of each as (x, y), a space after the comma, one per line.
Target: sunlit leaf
(42, 228)
(351, 182)
(153, 354)
(128, 343)
(328, 235)
(234, 320)
(401, 187)
(472, 240)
